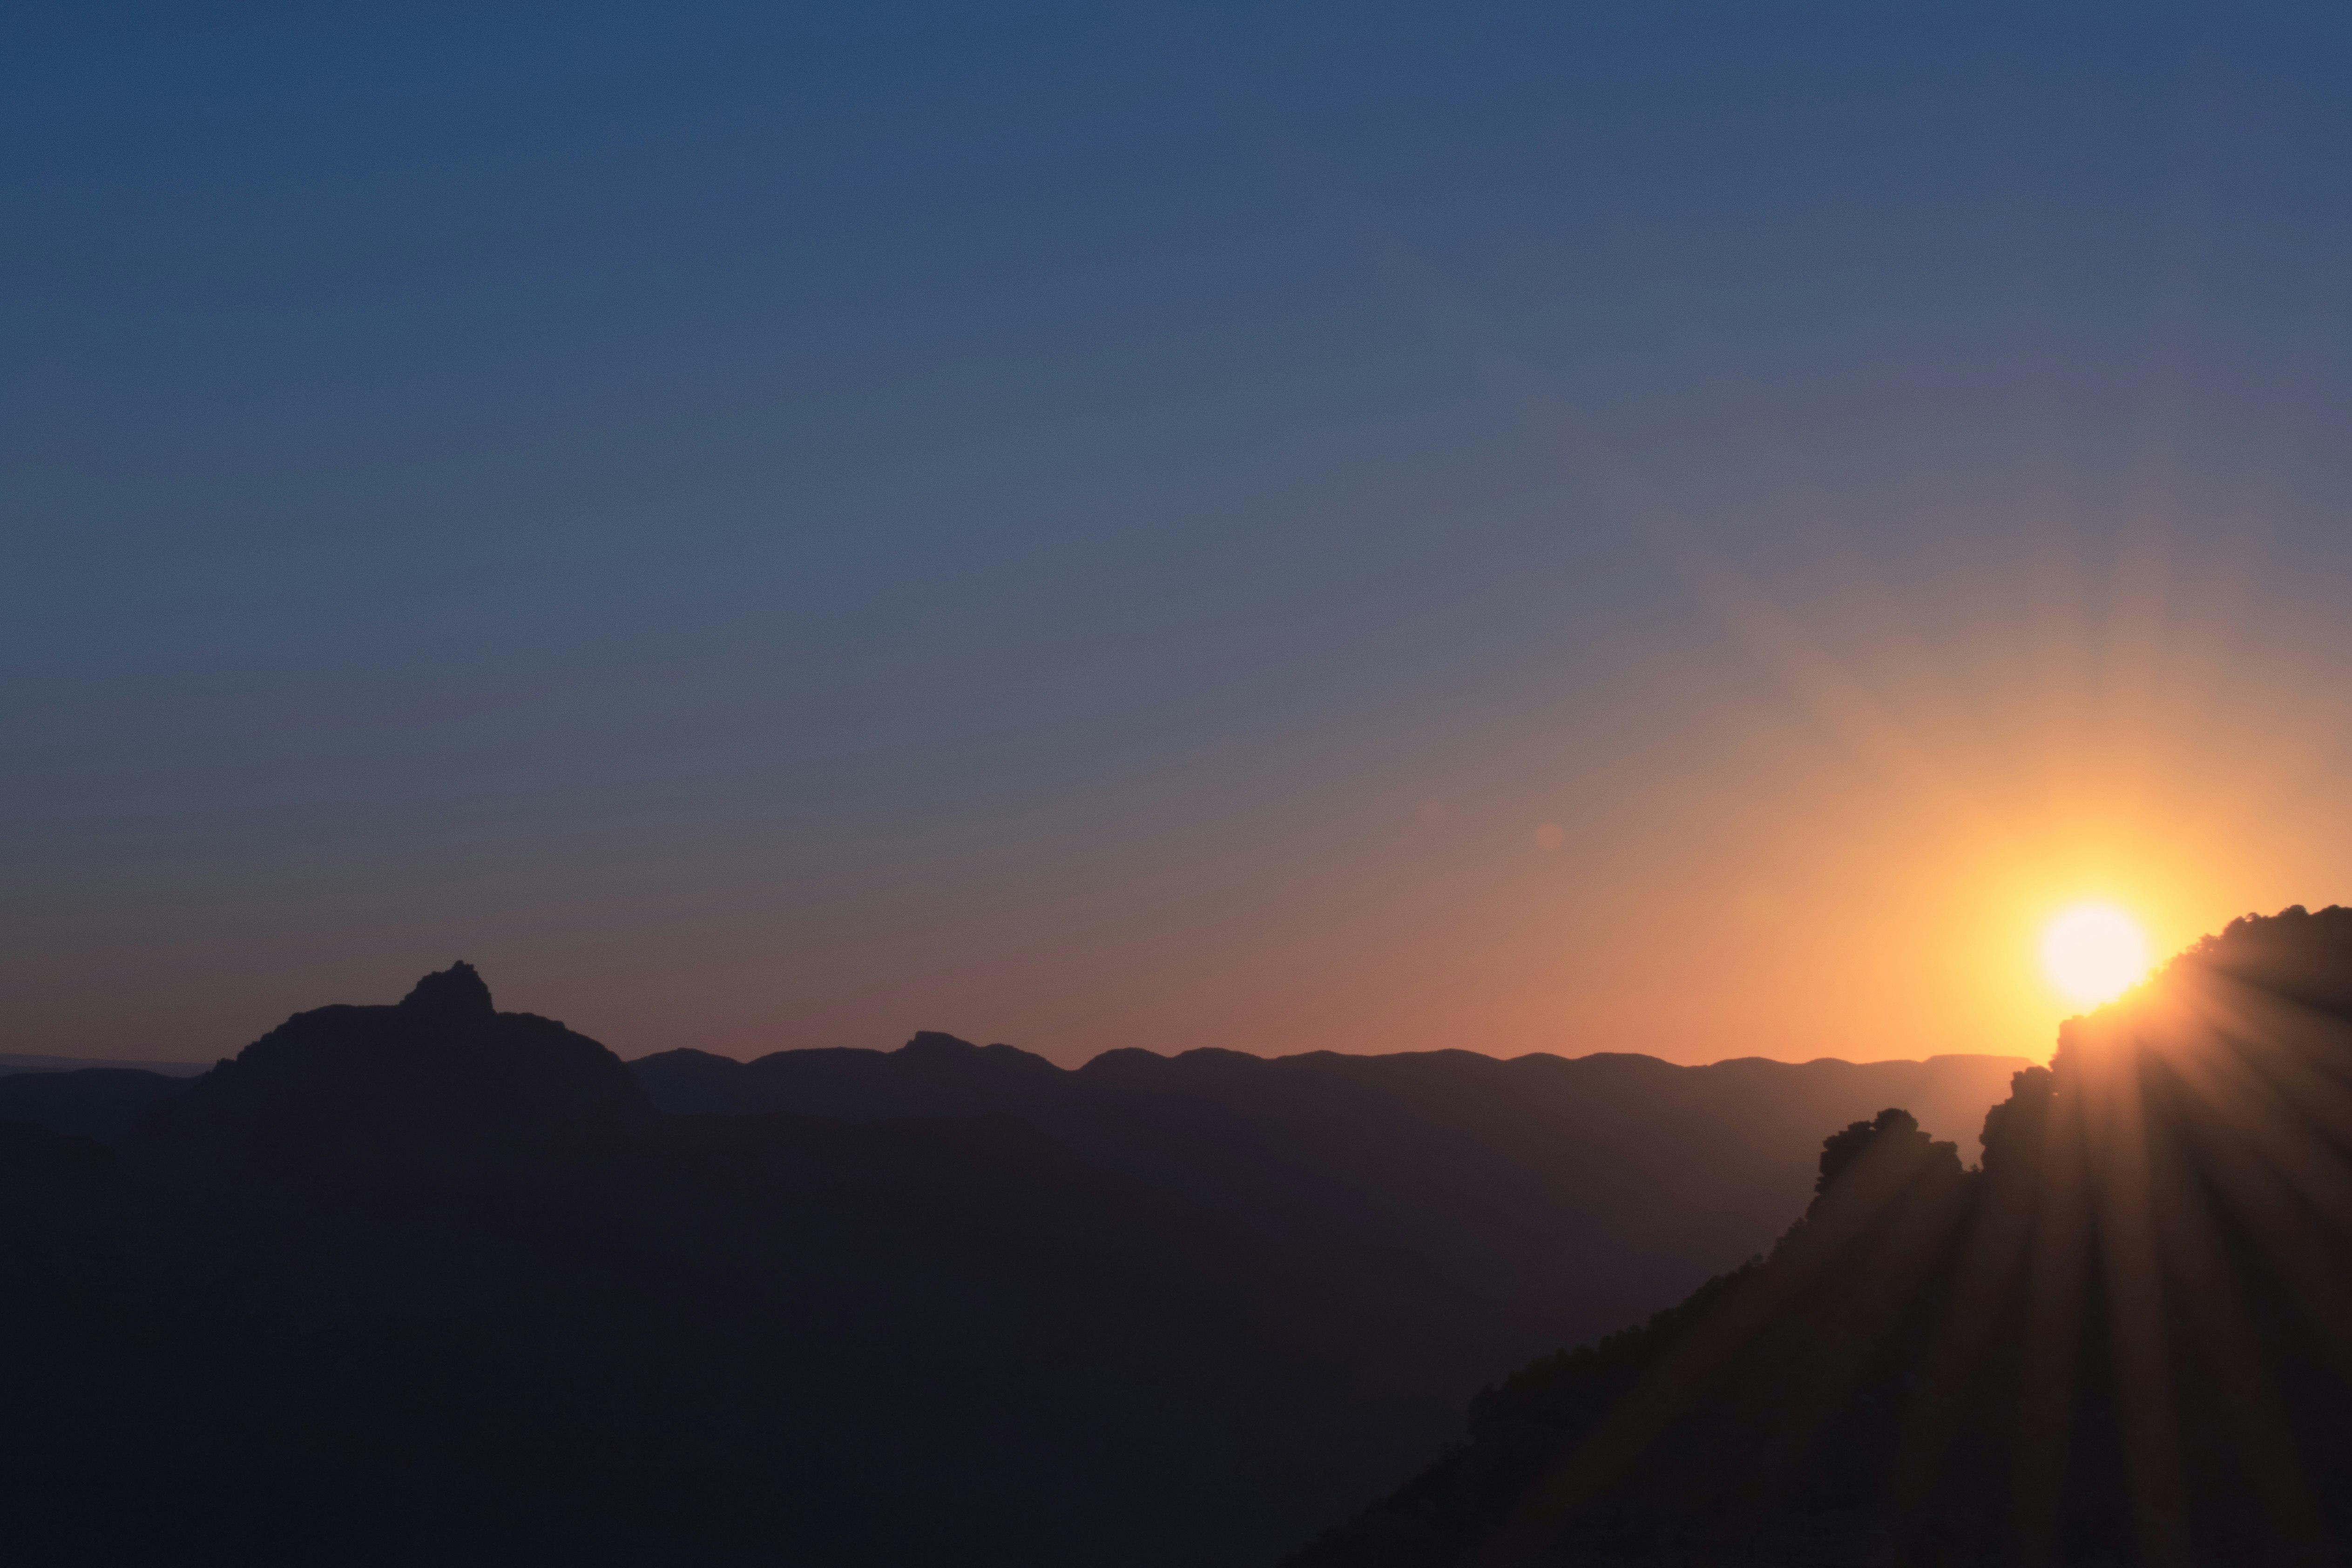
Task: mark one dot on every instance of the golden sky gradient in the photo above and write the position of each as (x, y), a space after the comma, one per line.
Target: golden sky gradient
(1825, 812)
(1509, 531)
(1841, 828)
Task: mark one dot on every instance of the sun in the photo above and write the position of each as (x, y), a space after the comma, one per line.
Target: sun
(2094, 953)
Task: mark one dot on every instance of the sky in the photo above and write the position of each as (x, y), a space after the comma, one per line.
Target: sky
(1693, 528)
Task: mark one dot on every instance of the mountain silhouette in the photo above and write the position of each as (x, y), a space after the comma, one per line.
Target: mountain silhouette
(433, 1281)
(1555, 1197)
(2125, 1338)
(345, 1099)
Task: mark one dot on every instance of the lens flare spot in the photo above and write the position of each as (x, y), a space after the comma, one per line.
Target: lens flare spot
(2095, 952)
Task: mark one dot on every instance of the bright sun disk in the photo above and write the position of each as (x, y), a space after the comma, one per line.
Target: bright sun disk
(2095, 952)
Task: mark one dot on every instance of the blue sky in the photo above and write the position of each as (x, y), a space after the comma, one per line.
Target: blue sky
(771, 527)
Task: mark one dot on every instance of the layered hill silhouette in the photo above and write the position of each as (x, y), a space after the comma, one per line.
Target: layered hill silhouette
(1554, 1197)
(13, 1063)
(457, 1273)
(436, 1282)
(432, 1281)
(2126, 1337)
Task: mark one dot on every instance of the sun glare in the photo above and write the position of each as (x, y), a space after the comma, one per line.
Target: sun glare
(2095, 952)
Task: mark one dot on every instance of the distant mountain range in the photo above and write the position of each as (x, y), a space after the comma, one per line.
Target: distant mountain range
(1556, 1197)
(436, 1281)
(100, 1103)
(12, 1063)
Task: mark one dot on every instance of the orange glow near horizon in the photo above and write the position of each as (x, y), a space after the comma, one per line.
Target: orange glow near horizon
(1839, 825)
(1860, 842)
(2095, 952)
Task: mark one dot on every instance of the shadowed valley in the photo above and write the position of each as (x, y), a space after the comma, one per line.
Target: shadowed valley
(465, 1276)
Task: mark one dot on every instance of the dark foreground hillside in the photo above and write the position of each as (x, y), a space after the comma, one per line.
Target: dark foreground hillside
(433, 1282)
(2127, 1339)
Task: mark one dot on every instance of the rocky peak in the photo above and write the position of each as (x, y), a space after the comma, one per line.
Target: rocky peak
(458, 989)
